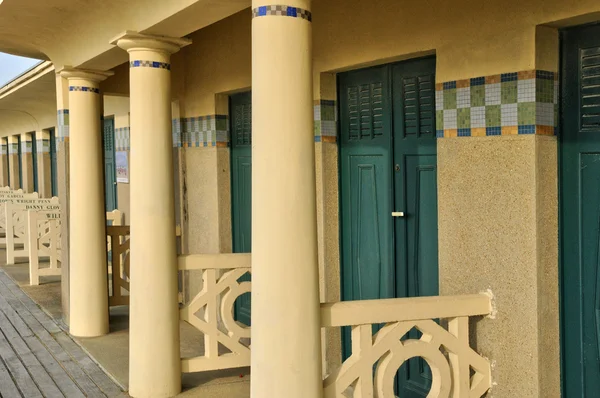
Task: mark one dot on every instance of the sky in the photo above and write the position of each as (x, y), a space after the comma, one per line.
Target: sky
(12, 66)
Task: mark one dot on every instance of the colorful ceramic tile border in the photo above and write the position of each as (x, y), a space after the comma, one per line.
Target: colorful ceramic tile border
(282, 11)
(62, 124)
(122, 142)
(13, 148)
(325, 117)
(85, 89)
(506, 104)
(4, 149)
(26, 146)
(201, 131)
(149, 64)
(42, 146)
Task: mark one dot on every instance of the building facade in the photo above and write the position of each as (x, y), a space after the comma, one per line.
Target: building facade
(359, 150)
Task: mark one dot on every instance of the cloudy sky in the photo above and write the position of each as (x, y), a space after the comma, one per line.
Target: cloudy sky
(12, 66)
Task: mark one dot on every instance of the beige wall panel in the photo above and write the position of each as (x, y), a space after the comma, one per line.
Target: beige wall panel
(489, 232)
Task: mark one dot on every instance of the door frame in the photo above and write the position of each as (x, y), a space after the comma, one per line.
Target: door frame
(562, 286)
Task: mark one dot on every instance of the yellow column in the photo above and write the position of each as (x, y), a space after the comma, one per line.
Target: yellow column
(154, 361)
(88, 285)
(286, 339)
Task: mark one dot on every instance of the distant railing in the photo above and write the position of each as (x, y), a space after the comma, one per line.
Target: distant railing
(216, 300)
(457, 370)
(118, 248)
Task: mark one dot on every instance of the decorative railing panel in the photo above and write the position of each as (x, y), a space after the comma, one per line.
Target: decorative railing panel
(457, 370)
(118, 246)
(44, 234)
(211, 311)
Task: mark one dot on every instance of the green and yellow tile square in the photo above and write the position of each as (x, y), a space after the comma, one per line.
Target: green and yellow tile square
(508, 92)
(493, 116)
(450, 98)
(526, 113)
(463, 118)
(478, 95)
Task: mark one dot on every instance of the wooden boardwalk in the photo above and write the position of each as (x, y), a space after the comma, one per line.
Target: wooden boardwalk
(38, 359)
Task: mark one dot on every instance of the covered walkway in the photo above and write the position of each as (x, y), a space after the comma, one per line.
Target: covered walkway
(38, 358)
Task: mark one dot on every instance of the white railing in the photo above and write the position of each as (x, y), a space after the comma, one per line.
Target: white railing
(444, 345)
(211, 311)
(44, 234)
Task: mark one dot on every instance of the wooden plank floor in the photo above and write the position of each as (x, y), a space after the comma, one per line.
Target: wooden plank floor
(39, 359)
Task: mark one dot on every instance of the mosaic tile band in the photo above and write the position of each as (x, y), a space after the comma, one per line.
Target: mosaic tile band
(122, 139)
(325, 121)
(13, 148)
(26, 146)
(149, 64)
(85, 89)
(3, 150)
(282, 11)
(43, 146)
(507, 104)
(201, 131)
(62, 124)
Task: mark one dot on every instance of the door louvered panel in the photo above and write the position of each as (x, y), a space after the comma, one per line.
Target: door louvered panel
(365, 110)
(242, 128)
(419, 106)
(590, 88)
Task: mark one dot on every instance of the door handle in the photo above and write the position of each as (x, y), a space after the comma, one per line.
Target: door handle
(397, 214)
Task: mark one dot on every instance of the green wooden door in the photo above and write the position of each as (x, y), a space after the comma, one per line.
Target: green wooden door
(388, 164)
(53, 163)
(34, 162)
(580, 211)
(241, 187)
(110, 179)
(20, 157)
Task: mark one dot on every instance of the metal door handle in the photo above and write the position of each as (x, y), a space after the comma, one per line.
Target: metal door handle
(397, 214)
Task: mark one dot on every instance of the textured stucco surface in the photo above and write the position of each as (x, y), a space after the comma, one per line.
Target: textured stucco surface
(491, 222)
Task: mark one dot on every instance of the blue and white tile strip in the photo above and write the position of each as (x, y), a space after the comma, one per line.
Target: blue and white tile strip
(85, 89)
(122, 141)
(43, 145)
(282, 11)
(26, 146)
(63, 125)
(149, 64)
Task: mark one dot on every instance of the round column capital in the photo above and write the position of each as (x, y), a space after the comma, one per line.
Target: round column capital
(133, 41)
(93, 76)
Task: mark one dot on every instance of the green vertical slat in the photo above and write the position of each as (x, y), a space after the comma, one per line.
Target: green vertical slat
(34, 162)
(53, 163)
(20, 161)
(7, 164)
(109, 164)
(241, 187)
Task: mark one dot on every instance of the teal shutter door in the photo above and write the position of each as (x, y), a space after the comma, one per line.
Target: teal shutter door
(415, 180)
(20, 156)
(34, 162)
(53, 163)
(580, 211)
(388, 163)
(366, 187)
(241, 187)
(110, 179)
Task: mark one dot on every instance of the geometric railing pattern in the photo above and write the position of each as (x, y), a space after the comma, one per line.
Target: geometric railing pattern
(211, 311)
(44, 234)
(457, 370)
(118, 248)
